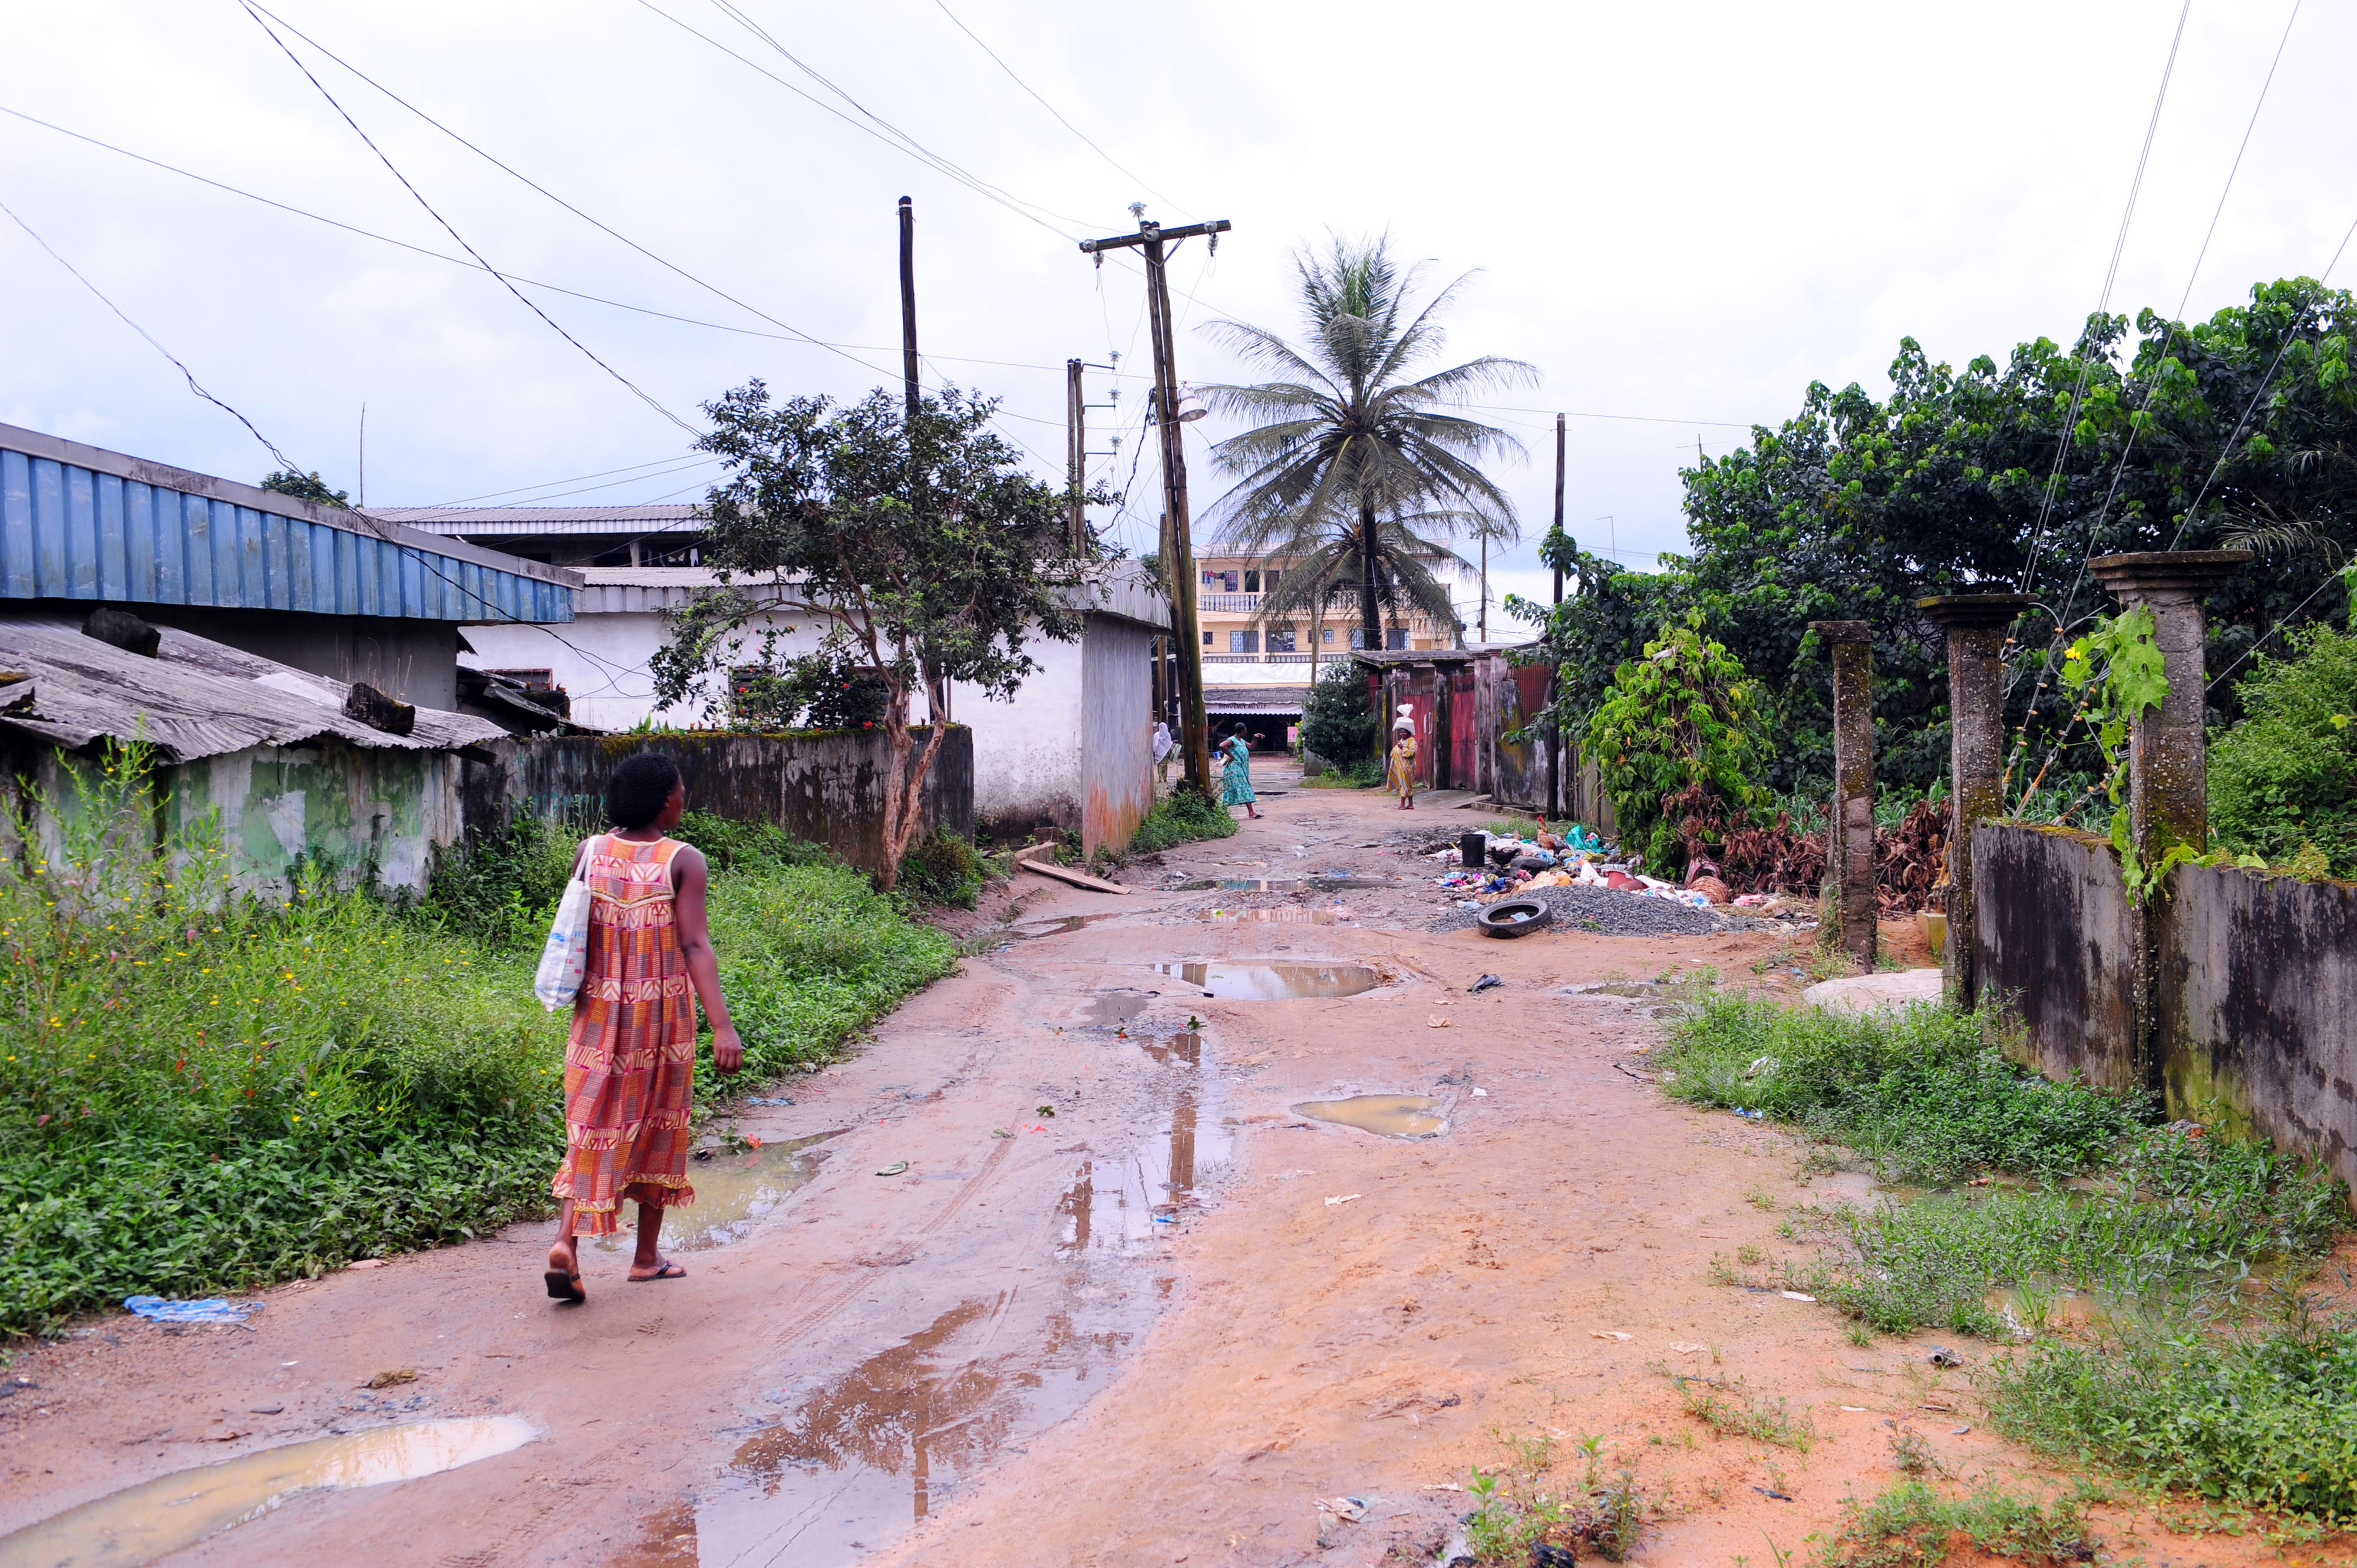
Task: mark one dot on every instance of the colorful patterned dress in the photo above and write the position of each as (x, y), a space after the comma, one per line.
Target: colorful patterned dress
(1400, 778)
(1235, 773)
(630, 1065)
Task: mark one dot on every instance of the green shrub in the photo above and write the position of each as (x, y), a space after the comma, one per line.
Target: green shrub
(2269, 1421)
(942, 868)
(1678, 721)
(1924, 1094)
(1913, 1526)
(2285, 777)
(1338, 718)
(732, 845)
(1180, 817)
(501, 887)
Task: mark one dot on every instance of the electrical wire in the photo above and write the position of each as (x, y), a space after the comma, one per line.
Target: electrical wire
(643, 396)
(1050, 108)
(286, 463)
(789, 335)
(2103, 304)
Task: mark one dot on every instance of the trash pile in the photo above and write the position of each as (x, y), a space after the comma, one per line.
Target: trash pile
(1493, 866)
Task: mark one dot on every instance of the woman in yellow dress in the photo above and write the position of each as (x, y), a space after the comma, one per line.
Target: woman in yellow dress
(1401, 778)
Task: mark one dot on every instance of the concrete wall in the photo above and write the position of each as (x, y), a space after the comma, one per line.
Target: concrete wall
(2255, 1001)
(344, 807)
(2055, 944)
(1116, 731)
(601, 661)
(414, 659)
(1027, 752)
(826, 787)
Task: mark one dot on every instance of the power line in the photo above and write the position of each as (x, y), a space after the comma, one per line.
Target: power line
(285, 462)
(791, 335)
(2103, 305)
(1050, 108)
(636, 389)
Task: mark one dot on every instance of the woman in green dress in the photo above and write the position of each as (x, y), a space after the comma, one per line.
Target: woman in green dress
(1236, 774)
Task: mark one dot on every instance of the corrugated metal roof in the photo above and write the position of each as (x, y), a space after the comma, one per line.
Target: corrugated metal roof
(196, 698)
(76, 522)
(1270, 700)
(452, 521)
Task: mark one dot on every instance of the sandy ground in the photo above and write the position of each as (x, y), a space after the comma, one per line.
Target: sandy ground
(1124, 1305)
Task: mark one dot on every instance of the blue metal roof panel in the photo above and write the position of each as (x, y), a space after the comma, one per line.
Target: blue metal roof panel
(80, 523)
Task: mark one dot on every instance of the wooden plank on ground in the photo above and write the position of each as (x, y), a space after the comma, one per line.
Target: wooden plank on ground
(1077, 878)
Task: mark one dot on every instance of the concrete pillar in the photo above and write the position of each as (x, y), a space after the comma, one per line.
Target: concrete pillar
(1976, 624)
(1849, 839)
(2169, 767)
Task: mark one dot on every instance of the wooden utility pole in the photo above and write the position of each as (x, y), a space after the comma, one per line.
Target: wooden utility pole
(1558, 499)
(908, 301)
(1185, 625)
(1076, 446)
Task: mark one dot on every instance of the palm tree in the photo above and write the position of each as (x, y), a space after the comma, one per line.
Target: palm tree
(1352, 465)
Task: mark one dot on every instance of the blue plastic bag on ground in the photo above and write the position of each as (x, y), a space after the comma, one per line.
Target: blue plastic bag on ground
(214, 1310)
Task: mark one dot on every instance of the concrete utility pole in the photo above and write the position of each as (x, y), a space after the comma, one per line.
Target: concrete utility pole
(1076, 445)
(1977, 625)
(908, 301)
(1849, 828)
(2169, 768)
(1185, 625)
(1558, 499)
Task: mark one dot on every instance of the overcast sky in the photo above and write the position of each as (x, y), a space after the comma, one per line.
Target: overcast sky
(1681, 215)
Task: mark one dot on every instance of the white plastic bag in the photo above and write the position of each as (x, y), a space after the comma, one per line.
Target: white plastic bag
(567, 957)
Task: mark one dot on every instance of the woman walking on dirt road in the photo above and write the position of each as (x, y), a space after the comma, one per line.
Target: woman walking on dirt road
(1235, 773)
(629, 1064)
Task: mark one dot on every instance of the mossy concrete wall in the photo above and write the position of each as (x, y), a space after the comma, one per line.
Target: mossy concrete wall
(2255, 998)
(2054, 944)
(827, 787)
(2248, 991)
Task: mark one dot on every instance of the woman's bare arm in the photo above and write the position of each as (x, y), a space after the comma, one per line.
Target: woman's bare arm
(691, 879)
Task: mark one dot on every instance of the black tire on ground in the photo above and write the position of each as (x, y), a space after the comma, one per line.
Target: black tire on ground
(1515, 918)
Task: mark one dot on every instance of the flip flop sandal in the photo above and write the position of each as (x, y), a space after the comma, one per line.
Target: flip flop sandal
(563, 1286)
(670, 1271)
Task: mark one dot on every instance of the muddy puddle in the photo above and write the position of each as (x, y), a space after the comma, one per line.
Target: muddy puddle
(174, 1512)
(733, 1193)
(1242, 981)
(1279, 883)
(1029, 930)
(1284, 915)
(1388, 1115)
(855, 1458)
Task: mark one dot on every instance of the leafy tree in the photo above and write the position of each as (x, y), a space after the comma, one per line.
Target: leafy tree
(2237, 431)
(304, 487)
(1679, 718)
(1353, 470)
(2286, 776)
(1338, 718)
(932, 554)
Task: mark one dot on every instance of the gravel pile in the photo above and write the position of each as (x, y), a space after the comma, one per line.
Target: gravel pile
(1621, 914)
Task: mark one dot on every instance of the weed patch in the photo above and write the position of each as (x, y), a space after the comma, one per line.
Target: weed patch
(1180, 817)
(1731, 1410)
(1914, 1526)
(1513, 1512)
(1924, 1096)
(2263, 1422)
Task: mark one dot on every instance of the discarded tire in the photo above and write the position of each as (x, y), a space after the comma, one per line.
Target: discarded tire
(1515, 918)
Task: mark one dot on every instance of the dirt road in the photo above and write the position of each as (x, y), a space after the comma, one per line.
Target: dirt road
(1122, 1304)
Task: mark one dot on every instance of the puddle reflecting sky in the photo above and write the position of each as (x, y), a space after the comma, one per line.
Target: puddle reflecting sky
(1279, 883)
(733, 1192)
(1245, 982)
(173, 1512)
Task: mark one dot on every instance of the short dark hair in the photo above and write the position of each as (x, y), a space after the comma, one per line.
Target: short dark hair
(635, 795)
(1240, 727)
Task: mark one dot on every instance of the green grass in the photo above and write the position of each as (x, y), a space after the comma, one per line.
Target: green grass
(2263, 1421)
(1913, 1525)
(1923, 1096)
(201, 1092)
(1180, 817)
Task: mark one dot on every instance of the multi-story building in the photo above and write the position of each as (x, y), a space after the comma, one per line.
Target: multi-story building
(1239, 648)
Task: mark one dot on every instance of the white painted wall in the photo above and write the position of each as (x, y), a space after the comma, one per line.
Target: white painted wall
(601, 661)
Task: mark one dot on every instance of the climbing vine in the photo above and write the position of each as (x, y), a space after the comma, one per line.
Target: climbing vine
(2119, 674)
